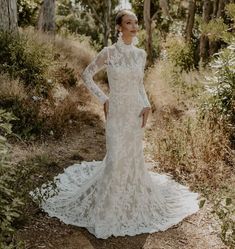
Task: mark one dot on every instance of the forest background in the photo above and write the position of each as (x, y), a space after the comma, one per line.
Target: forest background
(190, 81)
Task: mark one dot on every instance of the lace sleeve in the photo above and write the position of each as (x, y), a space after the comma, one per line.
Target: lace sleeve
(142, 91)
(98, 63)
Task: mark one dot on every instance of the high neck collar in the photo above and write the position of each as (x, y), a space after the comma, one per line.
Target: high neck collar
(123, 46)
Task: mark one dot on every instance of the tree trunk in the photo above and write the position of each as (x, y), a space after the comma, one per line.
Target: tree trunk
(107, 15)
(215, 8)
(204, 41)
(46, 22)
(218, 12)
(221, 6)
(8, 15)
(190, 20)
(148, 27)
(104, 18)
(218, 8)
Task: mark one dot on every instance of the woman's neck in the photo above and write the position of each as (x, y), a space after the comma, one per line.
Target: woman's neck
(127, 40)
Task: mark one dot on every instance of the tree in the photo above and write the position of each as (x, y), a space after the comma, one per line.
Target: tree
(155, 16)
(190, 20)
(103, 13)
(46, 20)
(107, 20)
(204, 41)
(27, 12)
(213, 12)
(8, 15)
(148, 27)
(218, 12)
(106, 13)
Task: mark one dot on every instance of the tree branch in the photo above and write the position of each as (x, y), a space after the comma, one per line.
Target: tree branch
(94, 12)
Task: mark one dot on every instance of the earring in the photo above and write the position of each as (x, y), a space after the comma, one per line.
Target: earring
(120, 36)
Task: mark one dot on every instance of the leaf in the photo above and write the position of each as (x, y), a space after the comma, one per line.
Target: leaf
(228, 201)
(202, 202)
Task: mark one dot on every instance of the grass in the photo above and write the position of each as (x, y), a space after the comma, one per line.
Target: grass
(193, 146)
(59, 110)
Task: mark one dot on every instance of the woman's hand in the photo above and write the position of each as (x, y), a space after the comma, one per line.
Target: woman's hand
(106, 108)
(145, 113)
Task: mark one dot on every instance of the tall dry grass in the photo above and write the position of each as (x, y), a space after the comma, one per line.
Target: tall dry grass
(190, 144)
(192, 147)
(11, 89)
(62, 108)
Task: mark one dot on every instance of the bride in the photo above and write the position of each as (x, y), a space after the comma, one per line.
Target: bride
(119, 196)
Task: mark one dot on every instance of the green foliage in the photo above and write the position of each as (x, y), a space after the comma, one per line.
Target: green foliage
(27, 12)
(180, 53)
(66, 76)
(64, 7)
(34, 172)
(224, 208)
(9, 201)
(16, 182)
(83, 18)
(27, 111)
(77, 23)
(162, 22)
(222, 86)
(219, 28)
(230, 10)
(21, 57)
(156, 41)
(216, 30)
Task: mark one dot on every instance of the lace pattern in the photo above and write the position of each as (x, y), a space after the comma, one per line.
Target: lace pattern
(113, 59)
(99, 63)
(119, 195)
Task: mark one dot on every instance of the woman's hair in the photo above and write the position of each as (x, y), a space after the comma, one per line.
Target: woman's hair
(118, 19)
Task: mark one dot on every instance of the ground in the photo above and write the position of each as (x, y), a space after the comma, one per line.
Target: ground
(198, 231)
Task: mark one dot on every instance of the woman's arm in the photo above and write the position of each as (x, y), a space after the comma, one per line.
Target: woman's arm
(98, 63)
(142, 91)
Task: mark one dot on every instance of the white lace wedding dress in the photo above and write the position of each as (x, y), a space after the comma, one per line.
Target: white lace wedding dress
(119, 195)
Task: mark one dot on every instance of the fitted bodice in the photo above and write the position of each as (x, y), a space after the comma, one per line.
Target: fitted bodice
(124, 69)
(125, 65)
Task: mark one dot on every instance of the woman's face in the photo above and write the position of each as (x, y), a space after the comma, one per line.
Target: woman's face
(129, 25)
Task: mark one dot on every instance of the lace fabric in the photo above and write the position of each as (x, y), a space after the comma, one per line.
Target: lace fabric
(119, 195)
(112, 59)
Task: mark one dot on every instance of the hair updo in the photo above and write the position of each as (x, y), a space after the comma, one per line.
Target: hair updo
(118, 19)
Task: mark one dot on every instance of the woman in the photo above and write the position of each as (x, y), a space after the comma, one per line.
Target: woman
(118, 196)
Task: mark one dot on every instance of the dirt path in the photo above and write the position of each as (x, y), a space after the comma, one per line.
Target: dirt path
(199, 231)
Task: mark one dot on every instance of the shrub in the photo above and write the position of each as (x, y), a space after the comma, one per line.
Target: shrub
(220, 29)
(9, 202)
(194, 148)
(64, 114)
(181, 54)
(11, 89)
(156, 41)
(225, 210)
(27, 113)
(21, 57)
(34, 92)
(221, 88)
(66, 76)
(27, 12)
(16, 183)
(26, 109)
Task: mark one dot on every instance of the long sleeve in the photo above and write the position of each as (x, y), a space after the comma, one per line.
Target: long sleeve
(98, 63)
(142, 91)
